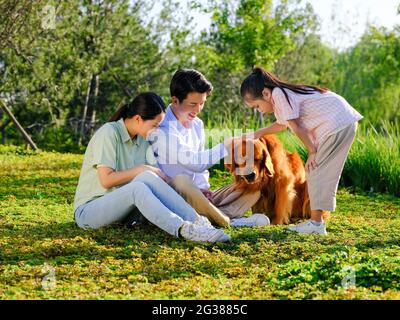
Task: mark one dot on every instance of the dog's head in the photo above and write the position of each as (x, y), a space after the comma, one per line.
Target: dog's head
(251, 162)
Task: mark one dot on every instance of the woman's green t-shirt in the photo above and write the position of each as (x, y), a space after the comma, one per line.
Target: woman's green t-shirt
(110, 146)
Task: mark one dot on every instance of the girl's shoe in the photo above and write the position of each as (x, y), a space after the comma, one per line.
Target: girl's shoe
(255, 220)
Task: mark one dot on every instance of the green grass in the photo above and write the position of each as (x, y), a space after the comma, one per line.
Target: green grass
(37, 231)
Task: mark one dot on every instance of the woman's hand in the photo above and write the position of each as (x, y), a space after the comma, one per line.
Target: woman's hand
(157, 171)
(110, 178)
(311, 163)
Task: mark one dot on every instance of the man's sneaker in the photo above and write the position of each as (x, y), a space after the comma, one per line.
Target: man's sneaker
(191, 231)
(203, 221)
(308, 228)
(255, 220)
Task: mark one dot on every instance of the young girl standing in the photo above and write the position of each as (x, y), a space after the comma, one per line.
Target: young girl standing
(119, 175)
(324, 121)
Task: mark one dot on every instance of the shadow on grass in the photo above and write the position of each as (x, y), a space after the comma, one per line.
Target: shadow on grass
(39, 187)
(252, 235)
(65, 243)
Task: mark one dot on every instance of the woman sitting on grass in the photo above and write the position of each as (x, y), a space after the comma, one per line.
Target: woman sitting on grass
(119, 174)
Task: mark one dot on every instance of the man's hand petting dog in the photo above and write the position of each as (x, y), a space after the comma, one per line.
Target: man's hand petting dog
(158, 172)
(230, 145)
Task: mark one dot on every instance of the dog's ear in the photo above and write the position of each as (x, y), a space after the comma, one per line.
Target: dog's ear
(268, 163)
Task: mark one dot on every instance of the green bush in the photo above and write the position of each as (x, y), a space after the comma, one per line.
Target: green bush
(374, 160)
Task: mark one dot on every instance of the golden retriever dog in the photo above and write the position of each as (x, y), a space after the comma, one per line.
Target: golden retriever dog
(280, 176)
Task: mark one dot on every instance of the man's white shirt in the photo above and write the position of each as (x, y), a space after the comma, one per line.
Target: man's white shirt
(181, 150)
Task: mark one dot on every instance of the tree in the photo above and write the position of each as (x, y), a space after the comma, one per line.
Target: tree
(14, 15)
(245, 33)
(96, 55)
(311, 62)
(368, 75)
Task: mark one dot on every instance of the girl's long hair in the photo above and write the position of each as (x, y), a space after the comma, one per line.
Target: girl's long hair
(147, 105)
(259, 79)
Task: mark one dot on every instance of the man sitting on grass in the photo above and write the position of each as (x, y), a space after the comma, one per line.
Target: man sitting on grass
(179, 146)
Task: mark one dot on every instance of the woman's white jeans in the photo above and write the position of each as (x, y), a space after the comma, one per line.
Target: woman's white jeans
(156, 200)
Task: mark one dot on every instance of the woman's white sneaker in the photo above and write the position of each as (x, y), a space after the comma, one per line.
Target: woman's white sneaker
(255, 220)
(191, 231)
(309, 228)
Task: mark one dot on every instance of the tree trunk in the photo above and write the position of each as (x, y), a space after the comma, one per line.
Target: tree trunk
(92, 105)
(3, 135)
(85, 109)
(26, 137)
(89, 114)
(92, 122)
(3, 127)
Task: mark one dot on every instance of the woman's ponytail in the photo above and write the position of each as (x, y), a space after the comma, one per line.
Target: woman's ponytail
(260, 79)
(120, 113)
(147, 105)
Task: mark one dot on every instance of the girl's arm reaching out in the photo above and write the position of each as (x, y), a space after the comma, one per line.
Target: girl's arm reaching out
(273, 128)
